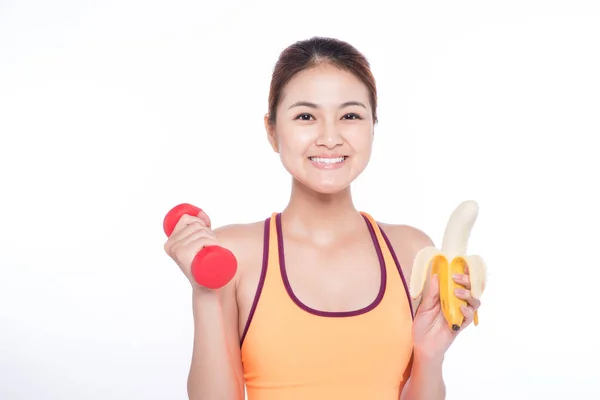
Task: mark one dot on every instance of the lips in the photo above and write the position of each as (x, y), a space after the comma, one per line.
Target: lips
(328, 160)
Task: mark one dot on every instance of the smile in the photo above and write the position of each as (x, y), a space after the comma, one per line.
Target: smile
(328, 161)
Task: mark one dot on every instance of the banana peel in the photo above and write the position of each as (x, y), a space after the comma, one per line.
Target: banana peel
(451, 259)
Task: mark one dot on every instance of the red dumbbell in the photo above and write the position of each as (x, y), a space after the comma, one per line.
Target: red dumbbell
(214, 266)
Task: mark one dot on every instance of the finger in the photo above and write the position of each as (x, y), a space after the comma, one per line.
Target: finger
(466, 295)
(431, 298)
(192, 247)
(186, 220)
(195, 235)
(196, 245)
(185, 254)
(203, 216)
(468, 313)
(462, 279)
(186, 230)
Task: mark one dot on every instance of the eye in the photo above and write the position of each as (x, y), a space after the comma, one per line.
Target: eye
(351, 116)
(304, 117)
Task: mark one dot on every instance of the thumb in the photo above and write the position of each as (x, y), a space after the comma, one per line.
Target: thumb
(431, 299)
(204, 217)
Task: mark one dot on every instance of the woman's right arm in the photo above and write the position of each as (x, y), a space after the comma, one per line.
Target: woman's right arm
(215, 370)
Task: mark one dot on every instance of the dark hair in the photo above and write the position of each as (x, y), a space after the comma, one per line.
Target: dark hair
(318, 50)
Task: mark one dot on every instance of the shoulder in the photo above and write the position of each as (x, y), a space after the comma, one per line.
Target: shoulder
(406, 242)
(241, 238)
(240, 235)
(406, 237)
(245, 241)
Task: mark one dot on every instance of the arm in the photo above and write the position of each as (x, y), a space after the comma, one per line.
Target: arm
(216, 370)
(425, 381)
(423, 378)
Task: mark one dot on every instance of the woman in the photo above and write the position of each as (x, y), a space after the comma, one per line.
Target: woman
(319, 307)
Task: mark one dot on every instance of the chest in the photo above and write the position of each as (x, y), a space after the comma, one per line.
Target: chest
(331, 279)
(341, 278)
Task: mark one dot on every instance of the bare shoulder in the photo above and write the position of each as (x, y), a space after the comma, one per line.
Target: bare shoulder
(245, 241)
(406, 241)
(240, 234)
(406, 236)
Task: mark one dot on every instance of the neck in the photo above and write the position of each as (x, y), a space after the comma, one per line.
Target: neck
(322, 218)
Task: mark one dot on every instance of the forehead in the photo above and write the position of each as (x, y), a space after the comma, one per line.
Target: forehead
(325, 84)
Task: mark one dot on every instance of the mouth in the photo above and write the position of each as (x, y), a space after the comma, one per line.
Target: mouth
(328, 160)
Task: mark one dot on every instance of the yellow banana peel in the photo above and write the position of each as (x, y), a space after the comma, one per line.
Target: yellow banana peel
(451, 259)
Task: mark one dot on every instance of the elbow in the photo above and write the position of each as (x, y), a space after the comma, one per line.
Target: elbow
(198, 391)
(192, 390)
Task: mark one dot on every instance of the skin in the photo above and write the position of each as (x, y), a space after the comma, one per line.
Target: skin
(327, 243)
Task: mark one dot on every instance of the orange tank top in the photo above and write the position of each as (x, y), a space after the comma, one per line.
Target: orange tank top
(293, 352)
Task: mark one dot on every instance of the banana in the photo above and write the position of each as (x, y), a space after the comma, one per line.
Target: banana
(451, 259)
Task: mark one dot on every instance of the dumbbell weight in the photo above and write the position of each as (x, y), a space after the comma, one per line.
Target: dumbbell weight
(214, 266)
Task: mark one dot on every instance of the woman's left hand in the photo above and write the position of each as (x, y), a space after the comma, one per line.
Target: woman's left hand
(431, 335)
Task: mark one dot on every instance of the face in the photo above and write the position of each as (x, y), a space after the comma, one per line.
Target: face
(324, 128)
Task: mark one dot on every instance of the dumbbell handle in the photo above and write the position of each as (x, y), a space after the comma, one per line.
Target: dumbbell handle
(214, 266)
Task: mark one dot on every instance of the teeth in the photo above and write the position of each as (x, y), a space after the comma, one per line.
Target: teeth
(327, 160)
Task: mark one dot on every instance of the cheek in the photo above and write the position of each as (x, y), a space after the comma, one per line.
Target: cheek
(296, 141)
(360, 139)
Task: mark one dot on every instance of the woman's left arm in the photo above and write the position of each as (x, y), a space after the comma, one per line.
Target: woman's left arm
(431, 335)
(431, 339)
(425, 381)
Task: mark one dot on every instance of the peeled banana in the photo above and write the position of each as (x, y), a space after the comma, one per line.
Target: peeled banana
(451, 259)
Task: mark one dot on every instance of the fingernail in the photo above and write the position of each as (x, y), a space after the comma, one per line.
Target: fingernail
(460, 292)
(457, 276)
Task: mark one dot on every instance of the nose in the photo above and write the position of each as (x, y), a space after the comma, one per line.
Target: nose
(329, 135)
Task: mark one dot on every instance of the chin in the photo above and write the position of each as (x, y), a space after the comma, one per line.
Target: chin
(329, 189)
(324, 187)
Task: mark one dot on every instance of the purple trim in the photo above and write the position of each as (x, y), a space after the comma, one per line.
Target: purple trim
(319, 313)
(391, 249)
(261, 281)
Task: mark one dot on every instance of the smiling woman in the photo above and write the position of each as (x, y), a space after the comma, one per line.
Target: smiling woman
(319, 306)
(323, 121)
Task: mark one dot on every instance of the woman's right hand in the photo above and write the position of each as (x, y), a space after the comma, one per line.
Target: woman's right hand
(191, 234)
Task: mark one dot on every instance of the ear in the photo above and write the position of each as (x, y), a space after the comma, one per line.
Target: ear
(270, 128)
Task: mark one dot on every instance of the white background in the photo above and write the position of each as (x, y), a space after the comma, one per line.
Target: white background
(112, 112)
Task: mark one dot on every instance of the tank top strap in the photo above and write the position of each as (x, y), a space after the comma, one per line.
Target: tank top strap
(270, 290)
(392, 264)
(273, 281)
(381, 239)
(272, 241)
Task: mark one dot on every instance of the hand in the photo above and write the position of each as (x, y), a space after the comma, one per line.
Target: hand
(431, 335)
(190, 235)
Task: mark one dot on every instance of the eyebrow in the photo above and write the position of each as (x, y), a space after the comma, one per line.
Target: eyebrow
(313, 105)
